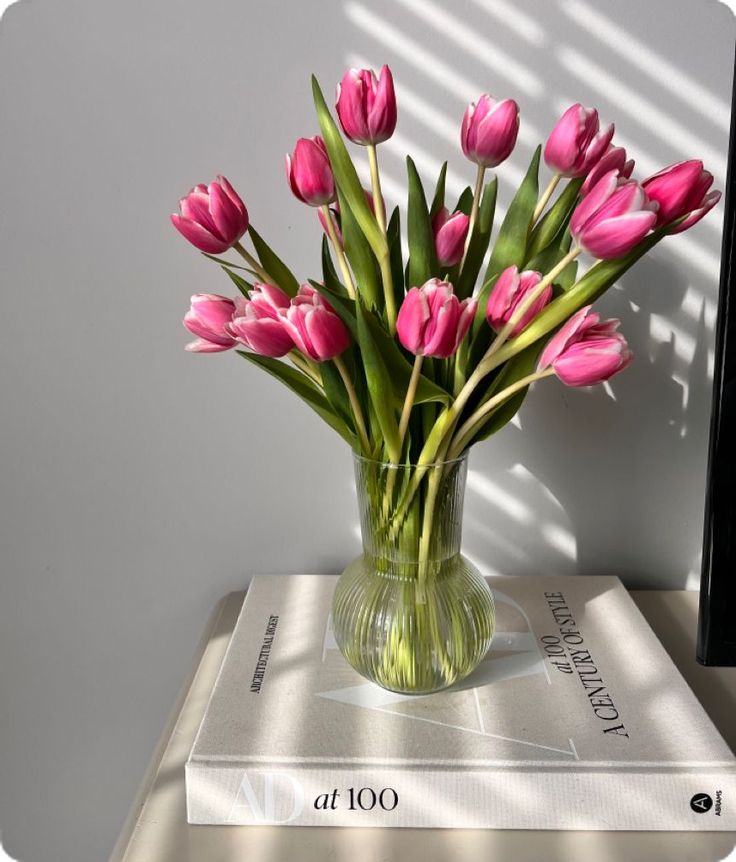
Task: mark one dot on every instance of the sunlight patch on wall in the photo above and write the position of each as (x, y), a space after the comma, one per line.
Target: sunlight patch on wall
(641, 55)
(640, 109)
(484, 50)
(511, 17)
(493, 493)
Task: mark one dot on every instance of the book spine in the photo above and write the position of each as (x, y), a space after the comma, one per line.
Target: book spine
(588, 799)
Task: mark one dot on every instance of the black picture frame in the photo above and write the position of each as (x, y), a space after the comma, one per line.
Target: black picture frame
(716, 643)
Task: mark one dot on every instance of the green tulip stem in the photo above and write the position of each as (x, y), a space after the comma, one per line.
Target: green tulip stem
(354, 403)
(378, 204)
(479, 177)
(253, 264)
(384, 260)
(546, 195)
(468, 429)
(411, 393)
(339, 253)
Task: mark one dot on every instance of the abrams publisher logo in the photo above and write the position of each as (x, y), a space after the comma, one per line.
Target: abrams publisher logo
(267, 797)
(701, 803)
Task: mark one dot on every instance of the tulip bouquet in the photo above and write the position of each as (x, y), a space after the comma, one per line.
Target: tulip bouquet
(414, 358)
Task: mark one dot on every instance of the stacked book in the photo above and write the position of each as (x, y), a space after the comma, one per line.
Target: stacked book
(576, 719)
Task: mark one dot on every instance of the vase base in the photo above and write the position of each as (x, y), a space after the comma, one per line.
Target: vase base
(410, 635)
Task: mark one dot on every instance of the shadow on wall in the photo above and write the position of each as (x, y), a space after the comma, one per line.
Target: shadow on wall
(610, 480)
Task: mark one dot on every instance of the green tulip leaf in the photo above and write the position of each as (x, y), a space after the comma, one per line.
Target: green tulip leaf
(438, 201)
(478, 242)
(568, 276)
(362, 260)
(393, 233)
(513, 236)
(273, 264)
(380, 386)
(335, 391)
(225, 264)
(465, 201)
(422, 256)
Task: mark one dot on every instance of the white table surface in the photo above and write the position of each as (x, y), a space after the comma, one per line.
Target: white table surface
(157, 830)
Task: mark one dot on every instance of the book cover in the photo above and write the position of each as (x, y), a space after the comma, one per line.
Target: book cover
(576, 719)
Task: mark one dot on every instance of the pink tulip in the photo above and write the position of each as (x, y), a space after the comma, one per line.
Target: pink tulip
(681, 190)
(613, 159)
(450, 233)
(310, 173)
(585, 351)
(509, 291)
(366, 106)
(314, 325)
(212, 218)
(432, 321)
(489, 130)
(256, 322)
(613, 217)
(577, 142)
(208, 319)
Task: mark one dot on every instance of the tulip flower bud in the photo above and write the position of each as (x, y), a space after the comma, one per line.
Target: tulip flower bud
(585, 351)
(309, 172)
(613, 159)
(366, 106)
(613, 217)
(208, 319)
(681, 190)
(450, 233)
(256, 322)
(511, 289)
(432, 321)
(489, 130)
(314, 325)
(576, 143)
(212, 218)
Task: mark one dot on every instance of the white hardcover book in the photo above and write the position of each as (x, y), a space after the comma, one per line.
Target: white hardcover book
(576, 719)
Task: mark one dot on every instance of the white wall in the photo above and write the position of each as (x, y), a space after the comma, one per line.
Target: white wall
(140, 483)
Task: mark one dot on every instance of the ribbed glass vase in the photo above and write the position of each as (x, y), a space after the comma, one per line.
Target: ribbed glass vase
(411, 613)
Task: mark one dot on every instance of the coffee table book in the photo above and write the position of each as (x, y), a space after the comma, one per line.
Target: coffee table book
(576, 719)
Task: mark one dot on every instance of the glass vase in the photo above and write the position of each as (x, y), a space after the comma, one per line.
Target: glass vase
(411, 613)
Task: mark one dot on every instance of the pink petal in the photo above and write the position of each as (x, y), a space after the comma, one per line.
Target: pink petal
(710, 200)
(198, 236)
(412, 318)
(201, 345)
(225, 214)
(597, 196)
(234, 196)
(617, 236)
(559, 342)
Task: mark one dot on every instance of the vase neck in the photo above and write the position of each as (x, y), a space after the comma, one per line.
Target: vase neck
(410, 516)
